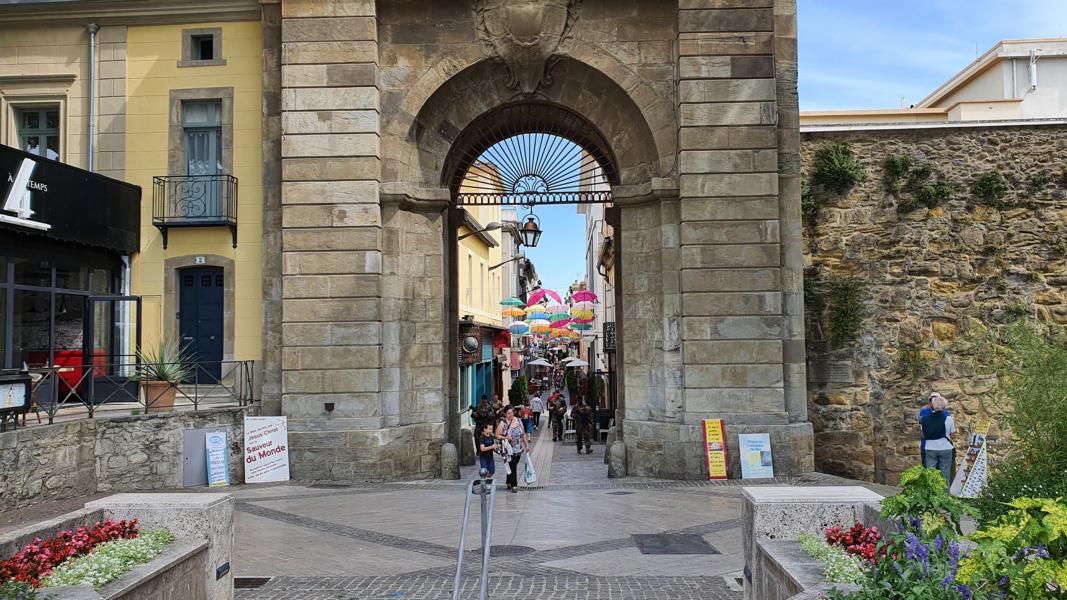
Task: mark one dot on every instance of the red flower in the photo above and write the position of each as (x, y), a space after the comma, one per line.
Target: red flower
(37, 559)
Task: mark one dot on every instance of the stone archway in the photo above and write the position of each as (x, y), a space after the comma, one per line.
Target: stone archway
(698, 107)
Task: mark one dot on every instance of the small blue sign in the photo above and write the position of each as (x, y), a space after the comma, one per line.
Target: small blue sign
(218, 459)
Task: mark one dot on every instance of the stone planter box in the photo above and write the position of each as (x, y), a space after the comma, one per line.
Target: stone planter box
(194, 567)
(173, 575)
(772, 518)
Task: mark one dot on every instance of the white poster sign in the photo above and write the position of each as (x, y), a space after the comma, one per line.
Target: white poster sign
(755, 449)
(266, 449)
(218, 459)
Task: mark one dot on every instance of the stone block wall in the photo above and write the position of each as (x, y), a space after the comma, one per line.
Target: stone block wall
(933, 278)
(79, 458)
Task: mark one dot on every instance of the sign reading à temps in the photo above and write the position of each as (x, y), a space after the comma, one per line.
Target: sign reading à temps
(46, 197)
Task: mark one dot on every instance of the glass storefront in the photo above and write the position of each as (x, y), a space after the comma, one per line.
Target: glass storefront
(44, 289)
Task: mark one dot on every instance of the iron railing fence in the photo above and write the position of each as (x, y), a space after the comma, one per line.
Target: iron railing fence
(80, 391)
(194, 201)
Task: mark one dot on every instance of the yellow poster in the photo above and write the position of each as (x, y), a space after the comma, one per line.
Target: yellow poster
(715, 448)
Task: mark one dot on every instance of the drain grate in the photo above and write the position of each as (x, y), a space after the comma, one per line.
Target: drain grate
(619, 493)
(504, 550)
(672, 543)
(250, 583)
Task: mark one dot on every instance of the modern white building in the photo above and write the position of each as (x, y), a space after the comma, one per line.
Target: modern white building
(1015, 80)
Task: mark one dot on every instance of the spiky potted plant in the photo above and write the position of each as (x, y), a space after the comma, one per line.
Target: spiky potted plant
(161, 371)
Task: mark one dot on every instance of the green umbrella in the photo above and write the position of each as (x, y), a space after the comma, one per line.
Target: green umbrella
(513, 301)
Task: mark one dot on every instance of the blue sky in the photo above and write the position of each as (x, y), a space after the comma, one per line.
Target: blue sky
(867, 54)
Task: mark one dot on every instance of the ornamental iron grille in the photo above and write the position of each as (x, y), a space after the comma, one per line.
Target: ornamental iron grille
(530, 153)
(194, 201)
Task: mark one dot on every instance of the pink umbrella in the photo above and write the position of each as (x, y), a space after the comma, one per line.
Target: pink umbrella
(560, 324)
(538, 294)
(584, 296)
(582, 320)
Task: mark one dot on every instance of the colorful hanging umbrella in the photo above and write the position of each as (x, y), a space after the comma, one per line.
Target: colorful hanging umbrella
(558, 316)
(584, 296)
(555, 307)
(560, 323)
(536, 312)
(582, 315)
(589, 320)
(558, 332)
(519, 328)
(582, 305)
(581, 326)
(537, 295)
(513, 311)
(513, 301)
(540, 326)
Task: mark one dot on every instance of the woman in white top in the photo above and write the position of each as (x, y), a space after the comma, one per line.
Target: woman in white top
(537, 406)
(511, 429)
(937, 429)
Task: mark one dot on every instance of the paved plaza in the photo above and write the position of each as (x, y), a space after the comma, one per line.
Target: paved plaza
(571, 535)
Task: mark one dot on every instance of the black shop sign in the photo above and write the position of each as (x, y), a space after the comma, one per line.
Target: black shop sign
(47, 198)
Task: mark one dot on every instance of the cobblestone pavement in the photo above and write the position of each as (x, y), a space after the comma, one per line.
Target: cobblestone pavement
(570, 535)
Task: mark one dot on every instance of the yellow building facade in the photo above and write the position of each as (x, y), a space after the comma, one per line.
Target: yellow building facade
(479, 287)
(193, 144)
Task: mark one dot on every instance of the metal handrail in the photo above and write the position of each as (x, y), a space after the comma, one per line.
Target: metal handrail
(486, 491)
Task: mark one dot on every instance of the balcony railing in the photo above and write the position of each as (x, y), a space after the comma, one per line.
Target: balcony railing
(194, 201)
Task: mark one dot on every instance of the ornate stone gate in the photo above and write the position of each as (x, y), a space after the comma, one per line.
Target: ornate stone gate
(696, 103)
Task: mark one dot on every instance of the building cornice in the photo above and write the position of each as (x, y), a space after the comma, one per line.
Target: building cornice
(930, 125)
(130, 12)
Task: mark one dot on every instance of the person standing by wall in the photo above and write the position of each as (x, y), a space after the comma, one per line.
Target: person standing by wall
(937, 429)
(512, 431)
(583, 425)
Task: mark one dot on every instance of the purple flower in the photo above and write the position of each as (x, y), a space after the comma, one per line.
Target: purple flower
(954, 552)
(1041, 552)
(965, 592)
(947, 581)
(938, 543)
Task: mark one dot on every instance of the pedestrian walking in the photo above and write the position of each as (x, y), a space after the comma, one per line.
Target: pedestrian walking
(583, 426)
(937, 429)
(537, 406)
(557, 410)
(513, 437)
(527, 417)
(487, 445)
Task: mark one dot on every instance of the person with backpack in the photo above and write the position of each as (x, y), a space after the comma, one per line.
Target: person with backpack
(937, 429)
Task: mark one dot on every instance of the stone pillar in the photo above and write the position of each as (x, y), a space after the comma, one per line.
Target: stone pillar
(718, 345)
(331, 345)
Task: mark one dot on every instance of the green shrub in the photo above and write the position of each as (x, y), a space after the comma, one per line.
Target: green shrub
(911, 362)
(836, 168)
(17, 590)
(1037, 182)
(895, 167)
(845, 309)
(934, 194)
(990, 188)
(810, 204)
(1022, 555)
(1011, 479)
(925, 496)
(519, 391)
(1029, 361)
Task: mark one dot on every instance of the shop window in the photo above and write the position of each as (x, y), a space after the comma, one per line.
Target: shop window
(33, 271)
(31, 335)
(38, 130)
(72, 277)
(201, 48)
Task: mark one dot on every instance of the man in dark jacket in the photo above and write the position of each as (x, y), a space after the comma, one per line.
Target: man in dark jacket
(583, 426)
(557, 409)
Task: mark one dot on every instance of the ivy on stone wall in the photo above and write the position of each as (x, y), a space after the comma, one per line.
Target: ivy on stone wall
(912, 362)
(916, 185)
(836, 168)
(991, 188)
(845, 303)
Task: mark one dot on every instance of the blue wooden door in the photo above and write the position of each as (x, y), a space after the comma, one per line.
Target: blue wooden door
(200, 319)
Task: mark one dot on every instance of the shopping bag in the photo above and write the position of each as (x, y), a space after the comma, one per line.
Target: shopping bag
(531, 475)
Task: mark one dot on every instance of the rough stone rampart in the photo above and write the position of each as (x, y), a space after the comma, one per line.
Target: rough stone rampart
(933, 278)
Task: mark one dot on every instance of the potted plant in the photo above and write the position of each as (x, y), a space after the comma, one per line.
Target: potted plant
(161, 371)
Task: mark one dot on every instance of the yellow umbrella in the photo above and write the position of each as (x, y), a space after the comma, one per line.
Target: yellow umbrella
(511, 311)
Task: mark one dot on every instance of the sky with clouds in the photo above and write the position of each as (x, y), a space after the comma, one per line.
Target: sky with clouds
(869, 53)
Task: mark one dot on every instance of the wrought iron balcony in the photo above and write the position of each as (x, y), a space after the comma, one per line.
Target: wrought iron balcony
(194, 201)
